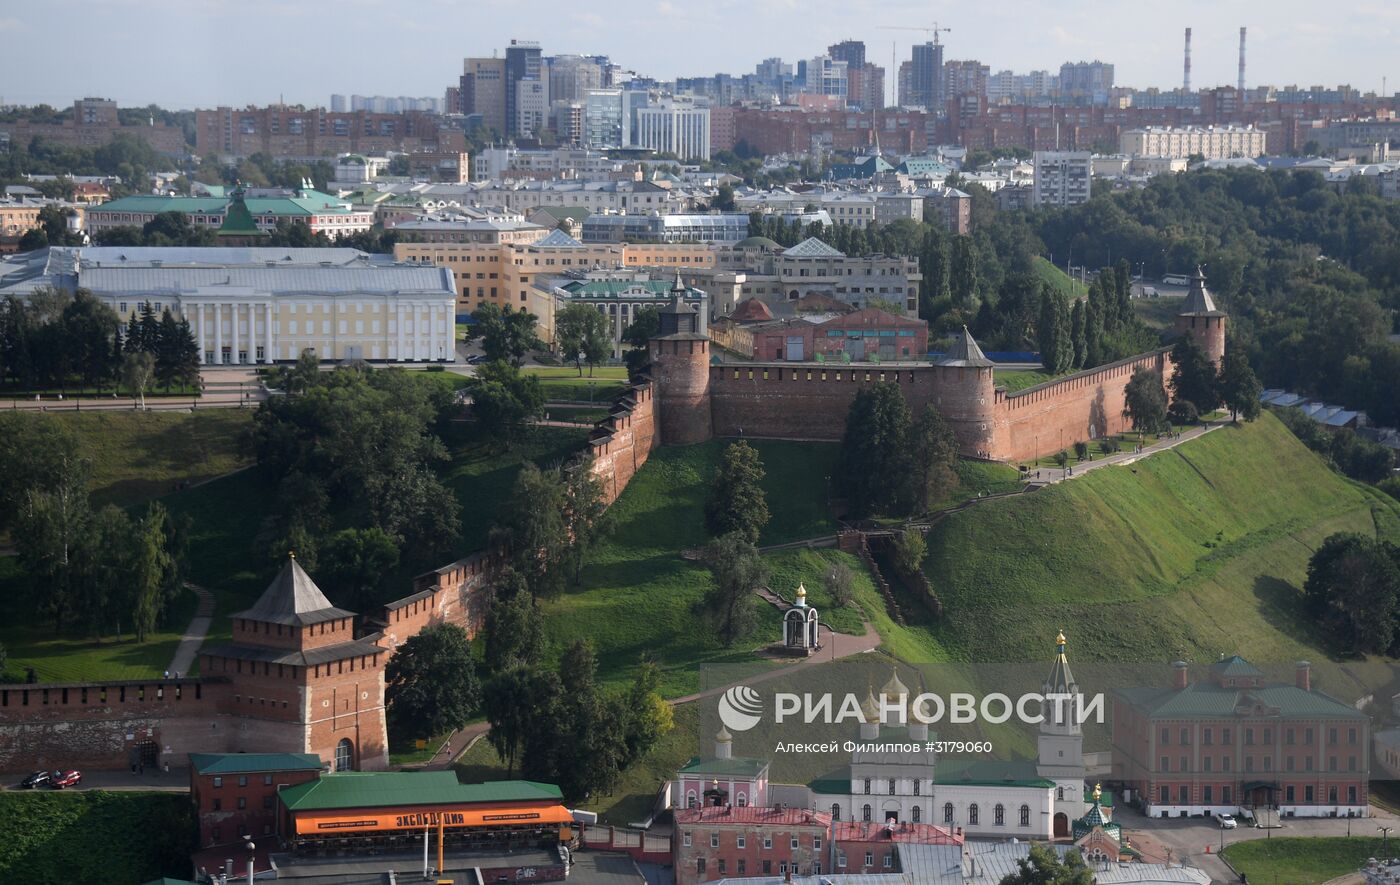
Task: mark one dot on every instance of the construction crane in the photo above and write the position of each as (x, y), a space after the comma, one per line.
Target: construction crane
(935, 30)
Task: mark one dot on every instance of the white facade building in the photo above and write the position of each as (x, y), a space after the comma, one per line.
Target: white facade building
(1211, 142)
(1062, 178)
(673, 126)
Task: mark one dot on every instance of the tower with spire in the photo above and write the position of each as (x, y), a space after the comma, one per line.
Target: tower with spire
(1202, 320)
(1060, 744)
(967, 395)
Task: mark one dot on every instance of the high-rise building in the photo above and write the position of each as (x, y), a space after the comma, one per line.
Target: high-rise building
(926, 76)
(965, 78)
(482, 90)
(865, 86)
(823, 75)
(1061, 178)
(523, 62)
(338, 104)
(675, 126)
(1086, 82)
(852, 52)
(609, 117)
(571, 76)
(531, 107)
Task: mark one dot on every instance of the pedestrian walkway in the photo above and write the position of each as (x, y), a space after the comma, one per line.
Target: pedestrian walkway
(194, 634)
(1045, 476)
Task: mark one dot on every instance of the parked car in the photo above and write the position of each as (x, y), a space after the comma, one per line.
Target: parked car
(1228, 822)
(35, 780)
(61, 779)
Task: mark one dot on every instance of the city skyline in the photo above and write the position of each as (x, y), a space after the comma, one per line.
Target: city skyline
(421, 47)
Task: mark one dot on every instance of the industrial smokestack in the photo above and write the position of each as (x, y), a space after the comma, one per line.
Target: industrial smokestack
(1186, 66)
(1241, 98)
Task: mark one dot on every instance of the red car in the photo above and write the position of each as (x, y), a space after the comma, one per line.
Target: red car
(60, 779)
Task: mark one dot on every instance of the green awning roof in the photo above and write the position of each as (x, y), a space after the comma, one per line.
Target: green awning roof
(370, 789)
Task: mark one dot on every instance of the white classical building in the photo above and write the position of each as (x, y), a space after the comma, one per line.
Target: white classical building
(264, 304)
(675, 126)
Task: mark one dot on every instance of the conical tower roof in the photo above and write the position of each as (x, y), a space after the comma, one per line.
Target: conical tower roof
(869, 709)
(293, 598)
(894, 688)
(965, 352)
(1060, 678)
(1199, 302)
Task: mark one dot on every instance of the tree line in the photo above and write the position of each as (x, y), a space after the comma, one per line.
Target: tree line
(54, 339)
(97, 572)
(1196, 388)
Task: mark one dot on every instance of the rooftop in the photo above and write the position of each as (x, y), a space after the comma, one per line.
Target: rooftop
(293, 598)
(735, 767)
(752, 814)
(368, 789)
(965, 352)
(242, 763)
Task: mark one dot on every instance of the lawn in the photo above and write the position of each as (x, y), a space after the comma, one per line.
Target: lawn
(95, 836)
(137, 456)
(1190, 552)
(1058, 279)
(564, 384)
(639, 597)
(1295, 861)
(1019, 379)
(1157, 313)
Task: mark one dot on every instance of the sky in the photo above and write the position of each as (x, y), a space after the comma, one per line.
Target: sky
(204, 53)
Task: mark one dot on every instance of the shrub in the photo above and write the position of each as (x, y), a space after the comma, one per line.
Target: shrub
(1081, 450)
(1183, 412)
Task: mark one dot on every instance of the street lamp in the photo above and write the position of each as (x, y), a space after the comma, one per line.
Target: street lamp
(251, 856)
(1385, 835)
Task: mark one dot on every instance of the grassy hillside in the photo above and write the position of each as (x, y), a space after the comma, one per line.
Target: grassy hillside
(95, 836)
(1058, 279)
(1190, 552)
(639, 596)
(1294, 861)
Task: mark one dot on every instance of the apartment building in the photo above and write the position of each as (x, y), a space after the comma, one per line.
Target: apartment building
(1210, 142)
(1062, 178)
(310, 133)
(675, 127)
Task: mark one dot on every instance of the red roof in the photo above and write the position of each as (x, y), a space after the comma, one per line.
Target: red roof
(913, 834)
(751, 311)
(752, 815)
(89, 187)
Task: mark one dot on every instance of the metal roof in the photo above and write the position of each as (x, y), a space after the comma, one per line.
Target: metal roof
(242, 763)
(1199, 302)
(965, 352)
(293, 598)
(370, 789)
(1211, 701)
(738, 767)
(326, 654)
(812, 248)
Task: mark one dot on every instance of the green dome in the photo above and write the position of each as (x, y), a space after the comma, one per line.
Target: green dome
(757, 243)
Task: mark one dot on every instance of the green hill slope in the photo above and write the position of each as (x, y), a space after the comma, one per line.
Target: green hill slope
(1191, 552)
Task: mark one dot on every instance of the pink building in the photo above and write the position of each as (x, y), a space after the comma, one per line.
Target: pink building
(721, 779)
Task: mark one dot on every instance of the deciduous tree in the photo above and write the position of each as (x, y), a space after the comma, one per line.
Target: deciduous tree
(1145, 402)
(1238, 386)
(737, 502)
(431, 684)
(737, 570)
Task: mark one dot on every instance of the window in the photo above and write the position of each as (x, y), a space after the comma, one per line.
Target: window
(767, 842)
(1025, 815)
(916, 786)
(1166, 764)
(218, 782)
(947, 812)
(743, 866)
(242, 802)
(243, 780)
(1288, 794)
(1308, 794)
(869, 858)
(344, 755)
(972, 815)
(1206, 736)
(891, 786)
(836, 811)
(714, 840)
(917, 815)
(1183, 794)
(1225, 736)
(686, 840)
(742, 842)
(865, 813)
(267, 803)
(700, 865)
(1249, 737)
(795, 844)
(1185, 736)
(1205, 763)
(889, 860)
(218, 804)
(867, 786)
(841, 859)
(816, 843)
(1205, 794)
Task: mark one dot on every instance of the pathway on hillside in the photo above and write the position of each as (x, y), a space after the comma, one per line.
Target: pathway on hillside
(1045, 476)
(194, 634)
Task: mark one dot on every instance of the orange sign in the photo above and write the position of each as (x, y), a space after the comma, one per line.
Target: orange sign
(413, 819)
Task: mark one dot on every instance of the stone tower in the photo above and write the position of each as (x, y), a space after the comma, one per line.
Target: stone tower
(1200, 319)
(967, 395)
(680, 369)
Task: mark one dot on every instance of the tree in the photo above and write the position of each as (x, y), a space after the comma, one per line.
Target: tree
(32, 239)
(514, 630)
(1353, 590)
(1042, 867)
(1145, 402)
(1079, 333)
(909, 551)
(136, 374)
(962, 277)
(150, 566)
(356, 561)
(1053, 332)
(504, 400)
(430, 683)
(589, 749)
(737, 502)
(874, 467)
(506, 335)
(648, 715)
(516, 701)
(585, 512)
(645, 325)
(583, 336)
(935, 454)
(724, 198)
(737, 570)
(1193, 375)
(837, 582)
(1238, 387)
(532, 524)
(1183, 413)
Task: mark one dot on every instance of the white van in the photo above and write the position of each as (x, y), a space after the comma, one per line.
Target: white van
(1176, 279)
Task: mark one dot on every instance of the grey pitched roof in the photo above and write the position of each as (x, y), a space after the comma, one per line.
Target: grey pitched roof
(812, 248)
(1198, 300)
(558, 239)
(965, 352)
(293, 598)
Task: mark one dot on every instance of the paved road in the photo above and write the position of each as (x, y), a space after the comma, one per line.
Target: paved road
(1187, 838)
(177, 780)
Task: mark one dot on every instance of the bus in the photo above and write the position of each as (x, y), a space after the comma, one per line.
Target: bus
(1176, 279)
